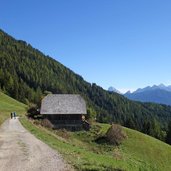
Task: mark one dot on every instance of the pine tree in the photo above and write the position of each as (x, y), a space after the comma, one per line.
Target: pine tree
(168, 137)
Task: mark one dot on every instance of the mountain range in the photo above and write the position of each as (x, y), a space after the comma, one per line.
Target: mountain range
(157, 94)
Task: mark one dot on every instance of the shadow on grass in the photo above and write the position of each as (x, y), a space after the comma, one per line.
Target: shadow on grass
(101, 140)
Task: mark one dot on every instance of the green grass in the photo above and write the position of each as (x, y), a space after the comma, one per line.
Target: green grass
(8, 105)
(138, 152)
(147, 151)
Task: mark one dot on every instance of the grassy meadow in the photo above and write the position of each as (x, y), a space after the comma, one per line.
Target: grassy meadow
(138, 152)
(8, 105)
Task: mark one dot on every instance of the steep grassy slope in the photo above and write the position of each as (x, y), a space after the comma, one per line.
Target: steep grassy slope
(138, 152)
(149, 153)
(8, 105)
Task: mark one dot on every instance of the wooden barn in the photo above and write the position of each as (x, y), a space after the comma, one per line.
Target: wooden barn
(65, 111)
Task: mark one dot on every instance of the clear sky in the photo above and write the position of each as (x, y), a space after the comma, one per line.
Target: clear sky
(120, 43)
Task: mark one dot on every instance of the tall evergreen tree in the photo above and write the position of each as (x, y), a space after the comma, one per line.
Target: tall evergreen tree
(168, 136)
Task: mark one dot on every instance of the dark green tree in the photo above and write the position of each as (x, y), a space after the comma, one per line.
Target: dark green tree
(168, 136)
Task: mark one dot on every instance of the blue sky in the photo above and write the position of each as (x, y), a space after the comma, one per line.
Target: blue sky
(120, 43)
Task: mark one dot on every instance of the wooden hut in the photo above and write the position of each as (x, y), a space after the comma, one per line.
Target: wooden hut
(64, 110)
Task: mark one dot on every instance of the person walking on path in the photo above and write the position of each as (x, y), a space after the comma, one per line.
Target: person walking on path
(11, 115)
(14, 115)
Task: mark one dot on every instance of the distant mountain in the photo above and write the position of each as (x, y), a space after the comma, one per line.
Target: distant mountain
(157, 93)
(154, 87)
(112, 89)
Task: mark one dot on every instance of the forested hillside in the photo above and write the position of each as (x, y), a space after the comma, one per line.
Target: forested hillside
(26, 73)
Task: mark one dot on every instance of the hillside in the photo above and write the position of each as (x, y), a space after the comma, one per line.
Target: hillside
(8, 105)
(26, 74)
(138, 151)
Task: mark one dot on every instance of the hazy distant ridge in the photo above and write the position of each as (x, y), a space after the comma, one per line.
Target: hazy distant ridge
(157, 93)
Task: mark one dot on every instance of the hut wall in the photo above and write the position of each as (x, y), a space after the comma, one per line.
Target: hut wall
(73, 121)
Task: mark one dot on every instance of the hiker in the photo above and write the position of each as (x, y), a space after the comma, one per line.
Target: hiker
(14, 115)
(11, 115)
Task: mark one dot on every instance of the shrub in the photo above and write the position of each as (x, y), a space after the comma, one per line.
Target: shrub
(63, 133)
(33, 111)
(115, 134)
(37, 122)
(46, 123)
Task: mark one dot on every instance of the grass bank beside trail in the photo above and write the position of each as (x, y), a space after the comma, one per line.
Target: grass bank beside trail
(138, 152)
(8, 105)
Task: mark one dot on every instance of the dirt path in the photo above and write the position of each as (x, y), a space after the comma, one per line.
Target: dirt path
(21, 151)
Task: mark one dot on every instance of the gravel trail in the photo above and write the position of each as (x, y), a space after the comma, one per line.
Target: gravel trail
(21, 151)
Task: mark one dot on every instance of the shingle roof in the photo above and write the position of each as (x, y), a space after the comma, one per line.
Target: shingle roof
(63, 104)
